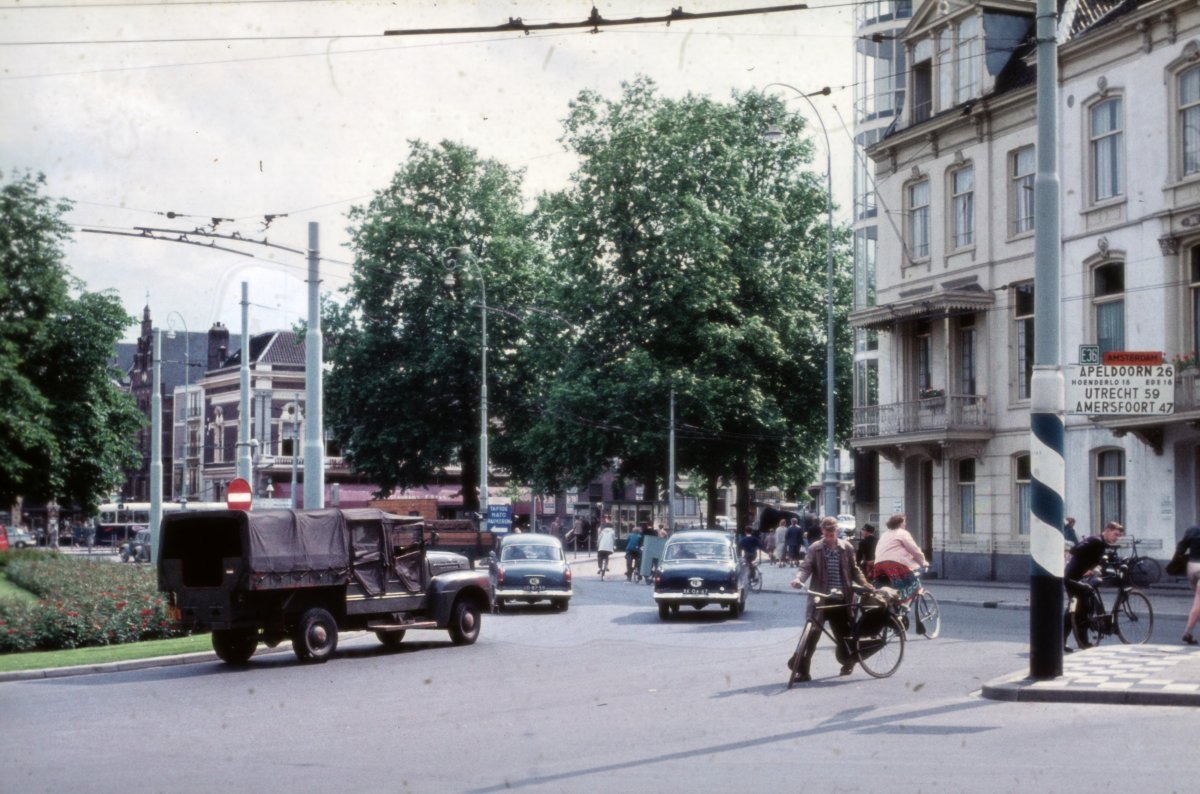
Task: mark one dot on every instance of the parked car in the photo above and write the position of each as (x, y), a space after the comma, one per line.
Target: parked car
(847, 525)
(529, 568)
(138, 549)
(700, 568)
(19, 538)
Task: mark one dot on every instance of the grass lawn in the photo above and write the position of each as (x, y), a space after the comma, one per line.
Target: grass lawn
(10, 592)
(39, 660)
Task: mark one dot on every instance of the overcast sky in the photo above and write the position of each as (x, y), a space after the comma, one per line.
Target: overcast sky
(239, 109)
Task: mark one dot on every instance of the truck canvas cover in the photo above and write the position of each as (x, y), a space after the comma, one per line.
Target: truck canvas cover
(286, 541)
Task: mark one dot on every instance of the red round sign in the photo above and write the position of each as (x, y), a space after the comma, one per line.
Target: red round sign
(238, 495)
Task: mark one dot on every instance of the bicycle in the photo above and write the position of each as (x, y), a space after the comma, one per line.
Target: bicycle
(925, 606)
(1131, 618)
(1144, 571)
(755, 578)
(876, 639)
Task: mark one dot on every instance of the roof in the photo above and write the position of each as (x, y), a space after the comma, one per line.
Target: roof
(272, 347)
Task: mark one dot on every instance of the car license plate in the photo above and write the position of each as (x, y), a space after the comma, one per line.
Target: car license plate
(534, 588)
(695, 591)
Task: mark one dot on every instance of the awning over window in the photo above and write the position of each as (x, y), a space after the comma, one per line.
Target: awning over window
(926, 306)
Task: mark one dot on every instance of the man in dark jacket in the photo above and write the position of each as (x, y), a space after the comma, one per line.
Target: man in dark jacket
(829, 566)
(1086, 555)
(866, 550)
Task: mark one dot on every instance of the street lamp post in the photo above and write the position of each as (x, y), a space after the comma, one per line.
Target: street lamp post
(187, 367)
(831, 461)
(463, 253)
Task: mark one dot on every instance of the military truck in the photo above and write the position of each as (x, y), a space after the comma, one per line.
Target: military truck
(304, 575)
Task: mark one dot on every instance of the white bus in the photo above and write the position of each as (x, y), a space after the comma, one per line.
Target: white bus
(117, 522)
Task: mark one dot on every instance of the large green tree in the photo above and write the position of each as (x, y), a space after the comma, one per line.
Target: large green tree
(690, 255)
(66, 429)
(403, 396)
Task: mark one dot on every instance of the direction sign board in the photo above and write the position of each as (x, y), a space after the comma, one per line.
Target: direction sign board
(1120, 390)
(238, 496)
(499, 517)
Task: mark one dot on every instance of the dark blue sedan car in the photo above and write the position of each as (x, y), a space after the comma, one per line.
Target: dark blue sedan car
(699, 568)
(530, 568)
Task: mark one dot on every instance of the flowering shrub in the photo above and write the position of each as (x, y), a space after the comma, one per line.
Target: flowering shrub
(1185, 361)
(81, 603)
(929, 393)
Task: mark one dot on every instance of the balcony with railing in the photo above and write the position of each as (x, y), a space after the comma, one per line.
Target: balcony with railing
(958, 422)
(1152, 428)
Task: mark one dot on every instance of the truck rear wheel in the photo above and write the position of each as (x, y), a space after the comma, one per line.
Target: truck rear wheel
(464, 622)
(390, 639)
(316, 635)
(233, 647)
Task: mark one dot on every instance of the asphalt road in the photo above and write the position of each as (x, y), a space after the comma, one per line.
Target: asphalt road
(602, 697)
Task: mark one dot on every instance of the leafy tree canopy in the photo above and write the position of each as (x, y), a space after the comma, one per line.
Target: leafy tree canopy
(66, 429)
(404, 392)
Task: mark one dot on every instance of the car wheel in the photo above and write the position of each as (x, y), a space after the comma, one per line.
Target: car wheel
(664, 612)
(390, 639)
(562, 604)
(464, 622)
(233, 647)
(316, 635)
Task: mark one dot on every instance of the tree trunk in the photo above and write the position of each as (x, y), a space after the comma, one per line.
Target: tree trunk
(741, 479)
(710, 494)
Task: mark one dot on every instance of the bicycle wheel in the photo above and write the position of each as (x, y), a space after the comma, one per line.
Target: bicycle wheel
(1135, 619)
(795, 667)
(756, 581)
(880, 654)
(1087, 622)
(929, 615)
(1145, 571)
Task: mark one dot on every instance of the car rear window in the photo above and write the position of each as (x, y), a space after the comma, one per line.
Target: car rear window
(698, 550)
(529, 551)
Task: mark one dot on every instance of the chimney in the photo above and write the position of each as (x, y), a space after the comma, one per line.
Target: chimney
(218, 344)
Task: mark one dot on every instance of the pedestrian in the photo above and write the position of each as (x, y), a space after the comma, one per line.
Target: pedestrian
(866, 550)
(1190, 545)
(604, 547)
(898, 558)
(795, 536)
(89, 536)
(633, 553)
(830, 569)
(781, 548)
(769, 545)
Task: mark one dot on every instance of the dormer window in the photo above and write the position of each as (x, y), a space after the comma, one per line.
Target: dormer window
(947, 68)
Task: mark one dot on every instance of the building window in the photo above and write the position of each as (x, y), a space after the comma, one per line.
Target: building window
(924, 350)
(1106, 129)
(918, 219)
(922, 77)
(218, 455)
(1023, 317)
(1194, 286)
(966, 356)
(1024, 492)
(866, 383)
(945, 70)
(967, 58)
(1189, 120)
(962, 202)
(966, 496)
(1110, 486)
(1023, 167)
(1109, 299)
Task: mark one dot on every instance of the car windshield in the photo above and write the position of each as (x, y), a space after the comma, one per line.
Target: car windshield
(698, 550)
(530, 551)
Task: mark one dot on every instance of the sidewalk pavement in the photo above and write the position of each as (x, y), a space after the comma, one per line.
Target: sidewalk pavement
(1161, 674)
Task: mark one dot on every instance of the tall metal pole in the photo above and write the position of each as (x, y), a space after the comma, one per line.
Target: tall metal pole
(156, 466)
(831, 462)
(243, 460)
(671, 470)
(483, 404)
(295, 442)
(1046, 400)
(314, 426)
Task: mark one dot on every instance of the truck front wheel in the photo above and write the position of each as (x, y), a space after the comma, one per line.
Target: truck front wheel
(316, 636)
(464, 622)
(233, 647)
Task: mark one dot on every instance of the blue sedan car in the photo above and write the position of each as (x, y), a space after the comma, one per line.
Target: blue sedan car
(700, 568)
(530, 568)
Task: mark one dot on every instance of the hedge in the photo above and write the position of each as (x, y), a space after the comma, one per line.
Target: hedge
(81, 602)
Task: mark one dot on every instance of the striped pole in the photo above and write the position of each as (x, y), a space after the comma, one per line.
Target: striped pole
(1048, 469)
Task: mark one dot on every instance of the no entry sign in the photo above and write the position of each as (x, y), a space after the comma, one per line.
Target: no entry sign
(238, 496)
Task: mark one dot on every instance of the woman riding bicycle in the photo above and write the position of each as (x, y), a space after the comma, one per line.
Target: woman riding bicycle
(898, 558)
